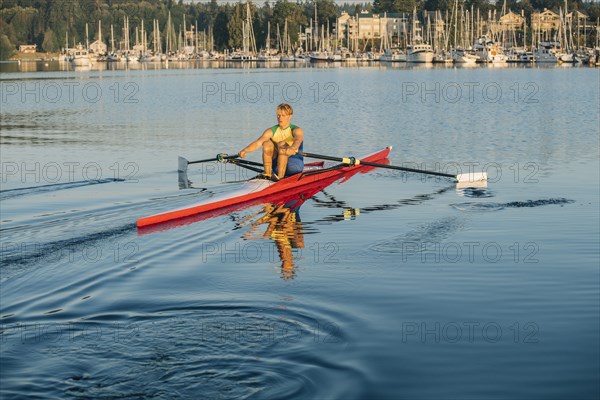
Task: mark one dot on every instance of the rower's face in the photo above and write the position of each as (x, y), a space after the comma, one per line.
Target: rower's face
(283, 119)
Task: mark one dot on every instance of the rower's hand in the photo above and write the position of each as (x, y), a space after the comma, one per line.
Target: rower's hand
(242, 154)
(290, 151)
(287, 149)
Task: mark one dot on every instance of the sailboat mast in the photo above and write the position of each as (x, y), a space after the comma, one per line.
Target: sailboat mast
(316, 26)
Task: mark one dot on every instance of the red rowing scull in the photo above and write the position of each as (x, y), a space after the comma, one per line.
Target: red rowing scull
(256, 189)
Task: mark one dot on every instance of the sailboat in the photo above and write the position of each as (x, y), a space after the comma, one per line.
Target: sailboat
(155, 55)
(460, 54)
(321, 55)
(97, 49)
(248, 52)
(391, 53)
(112, 56)
(267, 54)
(324, 54)
(130, 55)
(287, 55)
(172, 50)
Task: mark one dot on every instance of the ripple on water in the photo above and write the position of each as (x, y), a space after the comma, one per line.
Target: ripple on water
(221, 351)
(28, 191)
(484, 207)
(475, 192)
(421, 238)
(477, 207)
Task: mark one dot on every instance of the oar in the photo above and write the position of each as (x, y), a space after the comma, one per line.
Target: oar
(182, 162)
(470, 177)
(248, 165)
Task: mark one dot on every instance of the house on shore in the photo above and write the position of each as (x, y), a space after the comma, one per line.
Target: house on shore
(28, 48)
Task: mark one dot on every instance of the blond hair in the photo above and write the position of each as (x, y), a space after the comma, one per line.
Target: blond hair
(286, 108)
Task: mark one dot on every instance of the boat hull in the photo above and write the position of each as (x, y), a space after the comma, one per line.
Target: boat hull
(259, 189)
(420, 57)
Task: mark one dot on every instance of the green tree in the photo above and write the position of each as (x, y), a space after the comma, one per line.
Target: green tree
(327, 10)
(7, 29)
(234, 27)
(21, 19)
(380, 6)
(442, 5)
(7, 49)
(220, 30)
(406, 6)
(50, 43)
(527, 8)
(482, 5)
(510, 5)
(549, 4)
(397, 6)
(593, 12)
(64, 12)
(294, 14)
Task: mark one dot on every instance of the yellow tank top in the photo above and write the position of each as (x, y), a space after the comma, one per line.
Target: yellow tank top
(283, 135)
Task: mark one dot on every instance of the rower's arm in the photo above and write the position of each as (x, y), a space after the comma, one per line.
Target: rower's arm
(257, 144)
(298, 138)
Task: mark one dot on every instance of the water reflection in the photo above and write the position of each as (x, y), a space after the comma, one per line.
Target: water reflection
(60, 65)
(282, 225)
(278, 218)
(476, 192)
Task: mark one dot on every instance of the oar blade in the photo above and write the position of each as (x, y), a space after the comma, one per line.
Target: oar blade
(182, 164)
(472, 177)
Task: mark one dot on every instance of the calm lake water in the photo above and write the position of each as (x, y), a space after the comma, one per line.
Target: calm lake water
(398, 286)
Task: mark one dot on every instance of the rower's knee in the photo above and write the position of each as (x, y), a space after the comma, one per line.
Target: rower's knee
(268, 147)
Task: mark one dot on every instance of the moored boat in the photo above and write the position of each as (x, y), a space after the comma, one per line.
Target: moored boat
(393, 54)
(319, 56)
(488, 51)
(79, 56)
(419, 52)
(463, 56)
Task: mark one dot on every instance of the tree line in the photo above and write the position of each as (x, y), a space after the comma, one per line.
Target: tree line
(46, 23)
(591, 8)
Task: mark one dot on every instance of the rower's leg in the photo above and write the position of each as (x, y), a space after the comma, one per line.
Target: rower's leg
(282, 160)
(268, 149)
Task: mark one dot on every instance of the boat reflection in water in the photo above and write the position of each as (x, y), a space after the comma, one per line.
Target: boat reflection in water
(276, 217)
(277, 220)
(282, 225)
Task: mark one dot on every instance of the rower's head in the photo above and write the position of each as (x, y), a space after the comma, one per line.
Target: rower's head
(284, 114)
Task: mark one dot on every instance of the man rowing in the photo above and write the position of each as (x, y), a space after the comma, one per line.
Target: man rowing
(280, 146)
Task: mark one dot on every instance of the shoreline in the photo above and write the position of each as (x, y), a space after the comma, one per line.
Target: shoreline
(37, 56)
(49, 57)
